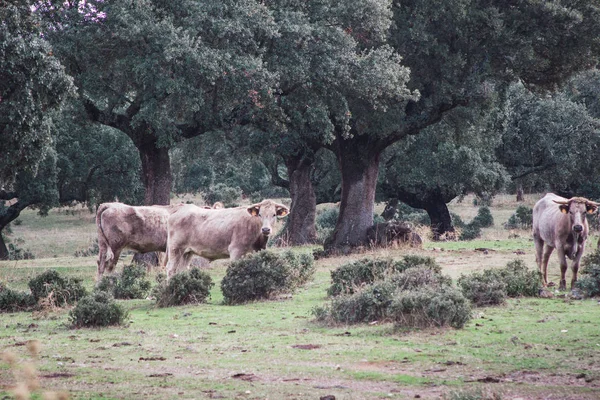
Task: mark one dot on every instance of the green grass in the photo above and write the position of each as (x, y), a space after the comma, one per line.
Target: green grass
(274, 349)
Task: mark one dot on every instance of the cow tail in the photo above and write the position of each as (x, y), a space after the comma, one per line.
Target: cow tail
(101, 236)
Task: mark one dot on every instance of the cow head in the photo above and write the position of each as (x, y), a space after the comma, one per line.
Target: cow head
(576, 208)
(268, 211)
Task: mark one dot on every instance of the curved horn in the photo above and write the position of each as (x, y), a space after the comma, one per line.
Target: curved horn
(593, 203)
(561, 201)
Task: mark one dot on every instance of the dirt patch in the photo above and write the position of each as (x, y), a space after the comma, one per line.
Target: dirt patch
(245, 377)
(306, 346)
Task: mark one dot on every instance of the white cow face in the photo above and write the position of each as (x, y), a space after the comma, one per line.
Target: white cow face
(268, 211)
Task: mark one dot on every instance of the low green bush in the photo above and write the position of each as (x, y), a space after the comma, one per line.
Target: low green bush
(470, 232)
(346, 278)
(92, 250)
(493, 286)
(15, 301)
(483, 289)
(521, 219)
(589, 280)
(419, 276)
(129, 284)
(188, 287)
(484, 218)
(265, 274)
(430, 307)
(366, 305)
(96, 310)
(64, 290)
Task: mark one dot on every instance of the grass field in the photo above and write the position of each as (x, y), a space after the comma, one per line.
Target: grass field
(528, 349)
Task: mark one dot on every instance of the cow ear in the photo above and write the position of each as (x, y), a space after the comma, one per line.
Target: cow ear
(282, 211)
(564, 208)
(591, 208)
(253, 210)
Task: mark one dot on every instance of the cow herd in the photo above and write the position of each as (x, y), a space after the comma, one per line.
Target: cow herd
(184, 230)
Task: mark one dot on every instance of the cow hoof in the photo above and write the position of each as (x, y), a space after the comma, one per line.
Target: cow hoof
(546, 294)
(551, 284)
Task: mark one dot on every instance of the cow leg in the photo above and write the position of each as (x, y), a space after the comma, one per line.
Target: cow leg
(178, 261)
(235, 253)
(112, 263)
(575, 266)
(562, 259)
(545, 257)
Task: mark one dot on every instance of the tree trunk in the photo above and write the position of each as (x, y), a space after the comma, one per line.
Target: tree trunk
(301, 221)
(8, 215)
(359, 169)
(156, 173)
(441, 221)
(520, 195)
(3, 250)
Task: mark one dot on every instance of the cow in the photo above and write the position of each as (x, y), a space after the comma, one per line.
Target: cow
(220, 233)
(560, 224)
(120, 226)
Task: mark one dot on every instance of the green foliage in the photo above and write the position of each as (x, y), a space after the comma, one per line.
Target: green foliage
(418, 276)
(17, 253)
(265, 274)
(483, 218)
(15, 301)
(473, 394)
(521, 219)
(227, 195)
(483, 289)
(325, 222)
(589, 278)
(187, 287)
(346, 278)
(97, 310)
(63, 291)
(470, 232)
(129, 284)
(430, 307)
(33, 86)
(492, 286)
(369, 304)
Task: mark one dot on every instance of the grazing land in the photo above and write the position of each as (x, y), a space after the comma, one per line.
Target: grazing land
(530, 348)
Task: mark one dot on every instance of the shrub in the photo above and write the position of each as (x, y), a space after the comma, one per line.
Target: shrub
(520, 280)
(429, 306)
(14, 301)
(484, 218)
(350, 276)
(97, 309)
(188, 287)
(130, 284)
(521, 219)
(416, 277)
(457, 221)
(366, 305)
(492, 286)
(470, 232)
(483, 289)
(17, 253)
(225, 194)
(64, 290)
(473, 394)
(263, 275)
(325, 223)
(589, 281)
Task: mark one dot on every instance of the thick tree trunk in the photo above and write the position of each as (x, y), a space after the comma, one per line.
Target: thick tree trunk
(3, 250)
(8, 215)
(301, 221)
(156, 173)
(441, 221)
(359, 179)
(520, 195)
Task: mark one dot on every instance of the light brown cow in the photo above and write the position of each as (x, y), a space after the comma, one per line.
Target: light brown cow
(560, 224)
(120, 226)
(220, 233)
(143, 229)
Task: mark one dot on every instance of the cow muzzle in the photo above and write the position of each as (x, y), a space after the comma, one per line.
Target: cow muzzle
(266, 231)
(577, 228)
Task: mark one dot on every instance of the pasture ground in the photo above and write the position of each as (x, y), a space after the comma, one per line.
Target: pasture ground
(530, 348)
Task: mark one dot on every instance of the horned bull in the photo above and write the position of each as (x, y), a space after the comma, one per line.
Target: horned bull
(560, 224)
